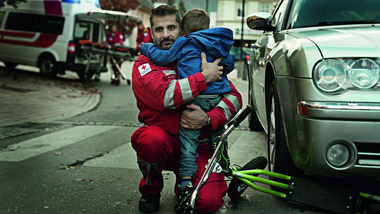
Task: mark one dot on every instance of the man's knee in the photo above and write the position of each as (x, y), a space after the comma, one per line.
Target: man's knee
(151, 144)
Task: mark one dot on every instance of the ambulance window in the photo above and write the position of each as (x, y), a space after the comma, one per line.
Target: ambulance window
(2, 15)
(87, 31)
(81, 30)
(35, 23)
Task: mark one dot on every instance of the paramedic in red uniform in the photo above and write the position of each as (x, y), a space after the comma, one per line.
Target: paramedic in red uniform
(160, 96)
(143, 36)
(114, 37)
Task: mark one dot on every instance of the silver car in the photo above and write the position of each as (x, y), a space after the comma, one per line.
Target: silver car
(314, 84)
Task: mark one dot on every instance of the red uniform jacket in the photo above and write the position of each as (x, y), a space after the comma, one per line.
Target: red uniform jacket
(143, 37)
(160, 94)
(114, 38)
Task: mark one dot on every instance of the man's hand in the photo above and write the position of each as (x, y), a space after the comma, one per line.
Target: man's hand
(211, 71)
(195, 119)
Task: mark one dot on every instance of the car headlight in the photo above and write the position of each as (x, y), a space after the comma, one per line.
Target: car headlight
(364, 73)
(338, 155)
(329, 75)
(333, 75)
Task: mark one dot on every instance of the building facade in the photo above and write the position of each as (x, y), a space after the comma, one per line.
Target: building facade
(229, 14)
(223, 13)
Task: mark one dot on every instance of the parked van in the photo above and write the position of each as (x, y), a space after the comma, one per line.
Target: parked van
(46, 34)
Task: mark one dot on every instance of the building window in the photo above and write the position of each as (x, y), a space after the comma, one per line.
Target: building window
(239, 10)
(264, 8)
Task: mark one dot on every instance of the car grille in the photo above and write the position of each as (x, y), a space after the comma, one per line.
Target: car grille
(368, 154)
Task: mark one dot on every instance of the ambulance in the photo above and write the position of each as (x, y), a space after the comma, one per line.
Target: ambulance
(47, 34)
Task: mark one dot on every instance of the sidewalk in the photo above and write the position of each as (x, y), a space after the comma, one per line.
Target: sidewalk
(28, 98)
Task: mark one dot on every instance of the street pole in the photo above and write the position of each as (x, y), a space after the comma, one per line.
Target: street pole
(207, 6)
(243, 61)
(242, 32)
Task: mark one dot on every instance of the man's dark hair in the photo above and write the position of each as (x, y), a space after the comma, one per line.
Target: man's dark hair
(165, 10)
(195, 20)
(139, 22)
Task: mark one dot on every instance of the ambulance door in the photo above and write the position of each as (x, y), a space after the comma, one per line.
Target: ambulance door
(92, 29)
(89, 30)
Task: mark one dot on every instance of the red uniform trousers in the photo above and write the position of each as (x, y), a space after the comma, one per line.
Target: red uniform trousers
(157, 150)
(114, 68)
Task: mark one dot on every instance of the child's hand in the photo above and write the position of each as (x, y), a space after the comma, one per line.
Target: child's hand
(211, 71)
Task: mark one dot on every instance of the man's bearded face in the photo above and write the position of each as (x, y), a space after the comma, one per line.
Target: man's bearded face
(165, 30)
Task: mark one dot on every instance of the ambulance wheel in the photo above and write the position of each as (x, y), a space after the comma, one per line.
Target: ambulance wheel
(48, 66)
(10, 65)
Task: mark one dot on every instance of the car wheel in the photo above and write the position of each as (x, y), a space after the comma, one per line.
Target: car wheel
(253, 121)
(48, 66)
(278, 153)
(10, 65)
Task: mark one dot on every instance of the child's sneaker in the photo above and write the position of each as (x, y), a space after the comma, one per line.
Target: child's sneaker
(224, 159)
(185, 192)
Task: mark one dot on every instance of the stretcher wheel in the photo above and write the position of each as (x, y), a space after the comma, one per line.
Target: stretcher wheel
(237, 187)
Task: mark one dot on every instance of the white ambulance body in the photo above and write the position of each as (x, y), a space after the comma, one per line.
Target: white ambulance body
(45, 34)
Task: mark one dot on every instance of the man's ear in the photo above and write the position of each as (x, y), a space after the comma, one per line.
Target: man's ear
(182, 32)
(151, 34)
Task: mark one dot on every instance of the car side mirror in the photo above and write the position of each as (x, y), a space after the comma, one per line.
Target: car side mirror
(260, 21)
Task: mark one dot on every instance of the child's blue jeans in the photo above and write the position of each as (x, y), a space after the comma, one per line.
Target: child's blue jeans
(189, 138)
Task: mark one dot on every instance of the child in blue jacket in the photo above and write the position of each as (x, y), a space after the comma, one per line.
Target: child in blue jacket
(186, 51)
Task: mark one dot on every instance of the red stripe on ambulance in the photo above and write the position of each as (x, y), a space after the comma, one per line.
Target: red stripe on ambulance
(43, 41)
(17, 34)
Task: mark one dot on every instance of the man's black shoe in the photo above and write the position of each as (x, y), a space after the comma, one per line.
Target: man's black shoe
(150, 204)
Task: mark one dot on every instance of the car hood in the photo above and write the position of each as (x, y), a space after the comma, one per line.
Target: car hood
(346, 41)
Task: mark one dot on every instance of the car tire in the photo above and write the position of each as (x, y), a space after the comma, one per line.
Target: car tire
(48, 66)
(279, 159)
(10, 65)
(253, 121)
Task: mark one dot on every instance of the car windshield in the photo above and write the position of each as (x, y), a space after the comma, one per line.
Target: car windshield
(309, 13)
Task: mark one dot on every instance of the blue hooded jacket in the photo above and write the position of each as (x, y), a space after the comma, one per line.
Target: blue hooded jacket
(186, 52)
